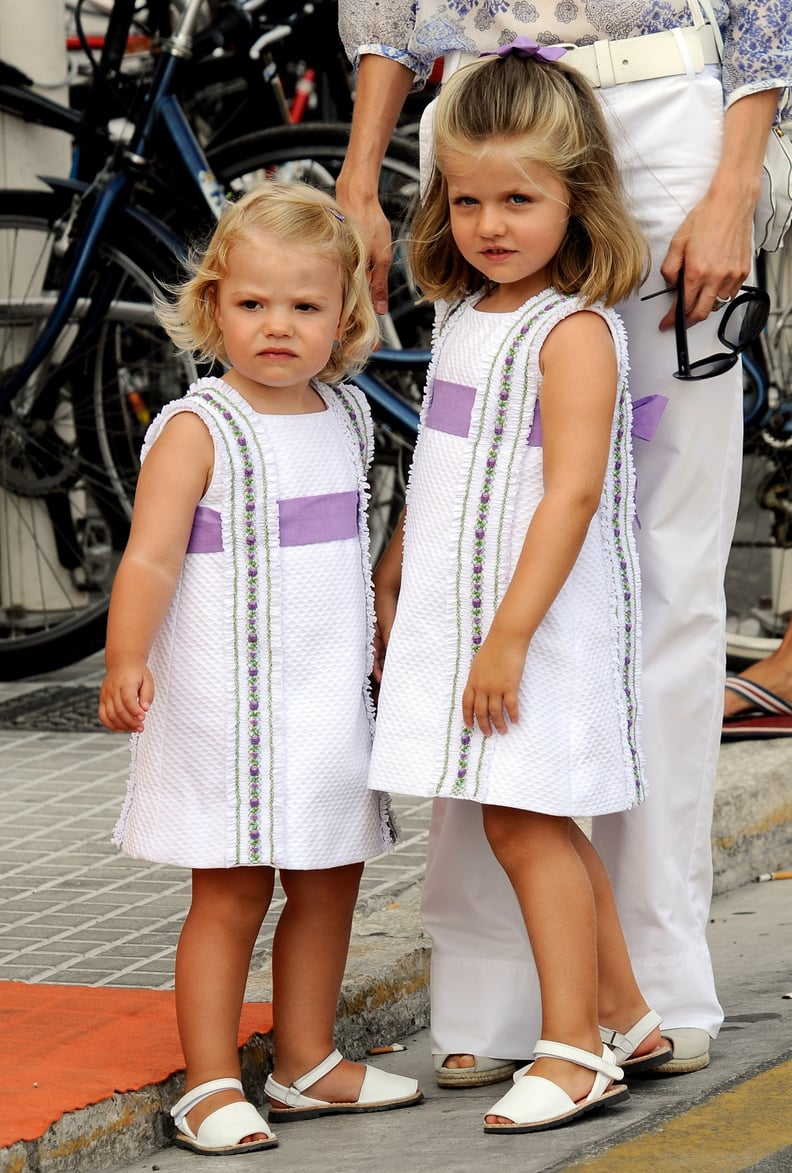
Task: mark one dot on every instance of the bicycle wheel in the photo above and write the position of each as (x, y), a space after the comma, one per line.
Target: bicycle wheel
(759, 573)
(69, 441)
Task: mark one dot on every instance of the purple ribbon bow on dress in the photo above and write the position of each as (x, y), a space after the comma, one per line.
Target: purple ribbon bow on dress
(525, 47)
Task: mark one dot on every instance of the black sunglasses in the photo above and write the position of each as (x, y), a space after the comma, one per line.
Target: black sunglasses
(743, 320)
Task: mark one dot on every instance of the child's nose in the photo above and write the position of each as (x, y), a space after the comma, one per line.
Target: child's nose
(490, 222)
(278, 325)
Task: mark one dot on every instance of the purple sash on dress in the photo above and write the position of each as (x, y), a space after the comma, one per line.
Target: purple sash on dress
(325, 518)
(451, 407)
(206, 536)
(304, 521)
(646, 416)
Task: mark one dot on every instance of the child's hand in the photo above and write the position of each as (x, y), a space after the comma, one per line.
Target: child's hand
(385, 606)
(125, 697)
(379, 654)
(490, 695)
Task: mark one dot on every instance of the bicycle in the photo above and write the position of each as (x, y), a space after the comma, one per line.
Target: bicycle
(84, 363)
(252, 63)
(759, 573)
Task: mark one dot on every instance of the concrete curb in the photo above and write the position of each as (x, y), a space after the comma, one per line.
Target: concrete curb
(386, 989)
(752, 821)
(385, 996)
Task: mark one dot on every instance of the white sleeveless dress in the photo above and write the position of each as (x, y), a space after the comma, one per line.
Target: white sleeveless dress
(475, 483)
(257, 745)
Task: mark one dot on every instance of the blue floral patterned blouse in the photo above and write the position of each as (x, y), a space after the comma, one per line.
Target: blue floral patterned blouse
(757, 34)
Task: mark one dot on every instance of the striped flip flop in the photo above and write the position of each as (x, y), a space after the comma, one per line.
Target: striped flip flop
(746, 727)
(762, 700)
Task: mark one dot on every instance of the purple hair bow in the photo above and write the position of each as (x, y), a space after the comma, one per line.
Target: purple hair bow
(525, 47)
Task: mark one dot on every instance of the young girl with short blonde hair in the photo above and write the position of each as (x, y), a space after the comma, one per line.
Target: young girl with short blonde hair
(238, 655)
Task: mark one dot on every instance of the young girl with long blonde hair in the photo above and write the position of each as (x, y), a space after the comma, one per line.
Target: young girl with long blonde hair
(512, 673)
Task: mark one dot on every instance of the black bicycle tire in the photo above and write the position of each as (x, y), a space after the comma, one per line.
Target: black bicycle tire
(82, 632)
(402, 152)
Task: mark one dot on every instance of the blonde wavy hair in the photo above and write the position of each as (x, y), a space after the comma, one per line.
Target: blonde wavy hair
(290, 212)
(541, 112)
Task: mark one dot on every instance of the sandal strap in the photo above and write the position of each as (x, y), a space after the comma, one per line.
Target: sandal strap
(203, 1091)
(602, 1064)
(762, 699)
(625, 1044)
(315, 1074)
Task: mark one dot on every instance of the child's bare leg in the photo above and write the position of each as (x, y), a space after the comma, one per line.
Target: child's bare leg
(621, 1003)
(308, 959)
(212, 963)
(555, 895)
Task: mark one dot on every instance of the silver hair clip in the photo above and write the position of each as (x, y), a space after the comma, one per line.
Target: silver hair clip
(337, 215)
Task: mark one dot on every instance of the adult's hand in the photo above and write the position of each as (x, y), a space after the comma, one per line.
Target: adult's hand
(715, 240)
(382, 88)
(374, 226)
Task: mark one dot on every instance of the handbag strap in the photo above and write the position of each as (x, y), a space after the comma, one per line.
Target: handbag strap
(707, 16)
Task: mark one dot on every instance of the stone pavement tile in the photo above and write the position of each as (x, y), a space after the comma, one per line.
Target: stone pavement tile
(21, 936)
(71, 904)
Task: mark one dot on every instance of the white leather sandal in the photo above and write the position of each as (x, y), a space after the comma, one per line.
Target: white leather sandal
(535, 1103)
(380, 1092)
(623, 1045)
(221, 1132)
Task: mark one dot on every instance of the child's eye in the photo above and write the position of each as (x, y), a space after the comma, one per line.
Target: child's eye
(517, 198)
(465, 202)
(307, 307)
(249, 304)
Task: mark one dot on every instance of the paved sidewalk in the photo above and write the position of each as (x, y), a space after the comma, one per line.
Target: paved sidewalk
(732, 1117)
(74, 912)
(73, 909)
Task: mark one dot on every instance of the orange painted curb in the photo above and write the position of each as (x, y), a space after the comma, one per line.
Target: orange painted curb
(64, 1047)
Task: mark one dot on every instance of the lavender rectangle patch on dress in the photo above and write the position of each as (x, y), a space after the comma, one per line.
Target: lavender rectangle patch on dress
(206, 536)
(328, 517)
(451, 407)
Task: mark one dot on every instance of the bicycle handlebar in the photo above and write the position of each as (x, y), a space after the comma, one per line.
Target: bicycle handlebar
(271, 37)
(406, 358)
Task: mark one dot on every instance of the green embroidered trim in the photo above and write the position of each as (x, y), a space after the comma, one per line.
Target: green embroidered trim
(249, 497)
(627, 578)
(482, 517)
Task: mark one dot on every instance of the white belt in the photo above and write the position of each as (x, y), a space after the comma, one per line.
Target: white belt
(610, 63)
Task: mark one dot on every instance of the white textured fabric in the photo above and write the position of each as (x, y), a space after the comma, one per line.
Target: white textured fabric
(574, 749)
(187, 803)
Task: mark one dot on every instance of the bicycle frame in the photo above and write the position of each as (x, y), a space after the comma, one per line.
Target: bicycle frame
(764, 362)
(390, 409)
(84, 265)
(161, 110)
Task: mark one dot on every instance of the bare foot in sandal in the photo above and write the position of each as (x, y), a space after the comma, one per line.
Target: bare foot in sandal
(637, 1045)
(774, 674)
(457, 1062)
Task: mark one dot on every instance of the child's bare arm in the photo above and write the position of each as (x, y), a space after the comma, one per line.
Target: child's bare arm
(172, 481)
(578, 397)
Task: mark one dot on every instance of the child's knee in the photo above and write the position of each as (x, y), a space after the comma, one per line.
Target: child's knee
(500, 828)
